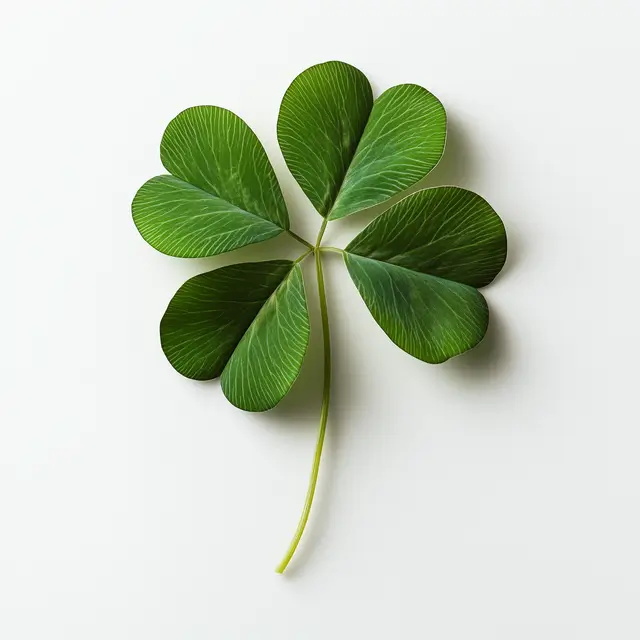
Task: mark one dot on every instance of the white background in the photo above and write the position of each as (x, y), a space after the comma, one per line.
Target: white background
(494, 497)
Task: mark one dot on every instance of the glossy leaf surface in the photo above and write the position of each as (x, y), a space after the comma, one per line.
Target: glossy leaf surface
(247, 322)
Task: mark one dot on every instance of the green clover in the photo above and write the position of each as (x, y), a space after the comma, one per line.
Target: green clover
(418, 266)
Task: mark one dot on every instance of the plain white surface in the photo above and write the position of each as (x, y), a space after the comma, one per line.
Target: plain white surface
(494, 497)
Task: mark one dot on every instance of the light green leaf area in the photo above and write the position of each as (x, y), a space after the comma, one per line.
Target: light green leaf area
(247, 322)
(214, 149)
(181, 220)
(223, 195)
(447, 232)
(416, 267)
(322, 116)
(349, 153)
(403, 140)
(268, 359)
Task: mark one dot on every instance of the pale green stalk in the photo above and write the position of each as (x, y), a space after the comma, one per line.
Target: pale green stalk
(324, 413)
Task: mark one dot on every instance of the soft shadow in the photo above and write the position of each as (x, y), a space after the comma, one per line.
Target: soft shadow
(490, 361)
(492, 358)
(458, 163)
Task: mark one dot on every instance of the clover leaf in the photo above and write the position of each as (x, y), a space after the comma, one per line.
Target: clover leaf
(418, 266)
(223, 193)
(247, 323)
(348, 152)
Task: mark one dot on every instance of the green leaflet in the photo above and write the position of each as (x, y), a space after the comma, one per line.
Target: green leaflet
(403, 140)
(430, 318)
(348, 153)
(448, 232)
(416, 267)
(268, 358)
(322, 116)
(181, 220)
(247, 322)
(223, 193)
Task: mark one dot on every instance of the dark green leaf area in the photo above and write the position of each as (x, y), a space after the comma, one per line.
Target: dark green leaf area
(210, 313)
(180, 219)
(447, 232)
(215, 150)
(431, 318)
(247, 322)
(418, 264)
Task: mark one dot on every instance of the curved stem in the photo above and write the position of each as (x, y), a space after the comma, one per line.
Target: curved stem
(332, 249)
(324, 413)
(295, 236)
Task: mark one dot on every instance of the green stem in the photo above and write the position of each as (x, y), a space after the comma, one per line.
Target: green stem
(295, 236)
(299, 259)
(324, 413)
